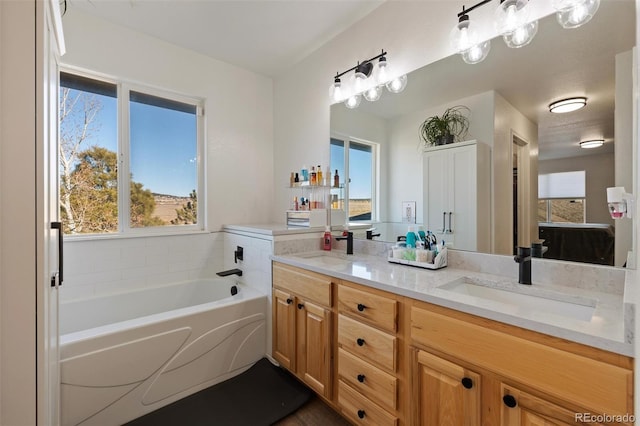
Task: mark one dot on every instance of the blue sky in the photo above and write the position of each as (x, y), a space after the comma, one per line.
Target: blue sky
(359, 170)
(162, 145)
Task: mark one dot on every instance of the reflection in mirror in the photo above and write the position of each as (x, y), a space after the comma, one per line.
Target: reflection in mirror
(509, 96)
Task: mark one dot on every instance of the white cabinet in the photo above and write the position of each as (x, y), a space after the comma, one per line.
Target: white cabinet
(457, 196)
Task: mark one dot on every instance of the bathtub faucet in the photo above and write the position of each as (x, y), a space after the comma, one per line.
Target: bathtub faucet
(228, 272)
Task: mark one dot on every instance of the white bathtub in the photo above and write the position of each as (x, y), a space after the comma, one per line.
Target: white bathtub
(125, 355)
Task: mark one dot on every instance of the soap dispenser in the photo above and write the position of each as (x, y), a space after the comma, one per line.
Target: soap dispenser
(326, 239)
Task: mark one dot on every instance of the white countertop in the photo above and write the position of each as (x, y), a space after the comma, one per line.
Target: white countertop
(605, 329)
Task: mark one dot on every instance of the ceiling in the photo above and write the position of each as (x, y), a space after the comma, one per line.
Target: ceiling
(264, 36)
(557, 64)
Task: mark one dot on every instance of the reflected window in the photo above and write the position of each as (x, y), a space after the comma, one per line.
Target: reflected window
(561, 197)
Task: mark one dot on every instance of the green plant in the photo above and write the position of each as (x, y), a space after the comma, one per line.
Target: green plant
(451, 126)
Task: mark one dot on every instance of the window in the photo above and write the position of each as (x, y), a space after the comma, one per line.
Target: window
(561, 197)
(356, 165)
(129, 158)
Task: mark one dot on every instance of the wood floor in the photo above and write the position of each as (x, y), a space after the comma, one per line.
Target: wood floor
(314, 413)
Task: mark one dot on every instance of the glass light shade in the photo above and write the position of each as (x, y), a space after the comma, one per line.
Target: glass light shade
(476, 53)
(463, 36)
(592, 144)
(511, 15)
(373, 93)
(397, 84)
(574, 13)
(358, 82)
(381, 73)
(353, 101)
(521, 36)
(336, 93)
(567, 105)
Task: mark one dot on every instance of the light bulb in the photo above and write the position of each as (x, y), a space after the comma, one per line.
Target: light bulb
(574, 13)
(358, 82)
(511, 15)
(463, 35)
(335, 91)
(373, 93)
(397, 84)
(476, 53)
(521, 36)
(353, 101)
(382, 71)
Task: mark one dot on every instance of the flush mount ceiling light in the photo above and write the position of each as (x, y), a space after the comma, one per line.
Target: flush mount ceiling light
(596, 143)
(567, 105)
(367, 81)
(514, 24)
(574, 13)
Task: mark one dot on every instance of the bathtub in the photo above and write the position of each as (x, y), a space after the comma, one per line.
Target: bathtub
(125, 355)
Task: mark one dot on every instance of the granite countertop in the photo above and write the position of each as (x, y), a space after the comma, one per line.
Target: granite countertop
(607, 328)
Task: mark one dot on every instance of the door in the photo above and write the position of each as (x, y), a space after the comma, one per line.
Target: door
(448, 394)
(462, 215)
(314, 321)
(284, 329)
(49, 46)
(435, 187)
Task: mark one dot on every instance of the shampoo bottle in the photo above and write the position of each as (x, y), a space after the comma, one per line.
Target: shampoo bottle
(411, 238)
(326, 238)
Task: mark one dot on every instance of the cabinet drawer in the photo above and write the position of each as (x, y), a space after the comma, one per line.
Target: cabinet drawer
(367, 342)
(379, 310)
(370, 381)
(361, 410)
(577, 379)
(311, 286)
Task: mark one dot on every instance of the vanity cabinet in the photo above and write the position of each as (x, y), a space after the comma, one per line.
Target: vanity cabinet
(517, 377)
(456, 185)
(302, 338)
(368, 354)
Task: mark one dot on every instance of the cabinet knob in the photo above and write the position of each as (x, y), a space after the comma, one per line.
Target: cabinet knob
(361, 414)
(509, 401)
(360, 341)
(289, 301)
(300, 306)
(361, 307)
(467, 382)
(361, 378)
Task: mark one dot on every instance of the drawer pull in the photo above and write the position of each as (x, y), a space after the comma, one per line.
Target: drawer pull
(509, 401)
(300, 306)
(360, 341)
(361, 414)
(467, 382)
(360, 378)
(361, 307)
(289, 301)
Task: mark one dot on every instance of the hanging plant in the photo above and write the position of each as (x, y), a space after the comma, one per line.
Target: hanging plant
(451, 126)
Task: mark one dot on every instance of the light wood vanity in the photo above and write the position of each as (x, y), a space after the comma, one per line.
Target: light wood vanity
(384, 359)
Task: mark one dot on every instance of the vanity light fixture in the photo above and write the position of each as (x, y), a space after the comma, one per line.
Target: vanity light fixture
(512, 22)
(575, 13)
(367, 81)
(567, 105)
(596, 143)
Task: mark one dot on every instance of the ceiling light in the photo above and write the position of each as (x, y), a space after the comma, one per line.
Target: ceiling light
(367, 81)
(567, 105)
(596, 143)
(574, 13)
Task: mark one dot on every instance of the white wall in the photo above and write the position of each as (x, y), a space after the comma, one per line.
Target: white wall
(599, 176)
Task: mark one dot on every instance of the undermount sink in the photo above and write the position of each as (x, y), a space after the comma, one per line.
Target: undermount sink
(324, 259)
(517, 298)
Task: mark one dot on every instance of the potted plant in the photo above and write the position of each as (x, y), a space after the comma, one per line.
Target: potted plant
(451, 126)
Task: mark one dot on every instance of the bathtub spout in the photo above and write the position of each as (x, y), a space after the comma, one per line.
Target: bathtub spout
(228, 272)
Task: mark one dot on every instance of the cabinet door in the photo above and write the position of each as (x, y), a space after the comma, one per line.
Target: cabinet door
(284, 328)
(435, 183)
(447, 394)
(314, 355)
(462, 222)
(522, 409)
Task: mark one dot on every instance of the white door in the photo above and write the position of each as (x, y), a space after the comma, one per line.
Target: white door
(48, 49)
(435, 187)
(462, 216)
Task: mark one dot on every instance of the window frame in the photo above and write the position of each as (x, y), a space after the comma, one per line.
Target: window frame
(124, 87)
(375, 174)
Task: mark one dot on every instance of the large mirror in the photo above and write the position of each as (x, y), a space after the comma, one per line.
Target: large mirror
(508, 96)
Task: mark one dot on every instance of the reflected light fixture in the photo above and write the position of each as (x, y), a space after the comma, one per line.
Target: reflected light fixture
(367, 81)
(513, 22)
(596, 143)
(567, 105)
(575, 13)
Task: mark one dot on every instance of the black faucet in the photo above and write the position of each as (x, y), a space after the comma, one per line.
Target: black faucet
(370, 234)
(349, 239)
(524, 265)
(228, 272)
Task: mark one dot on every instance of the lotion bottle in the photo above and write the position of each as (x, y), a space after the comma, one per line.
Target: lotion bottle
(411, 238)
(326, 238)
